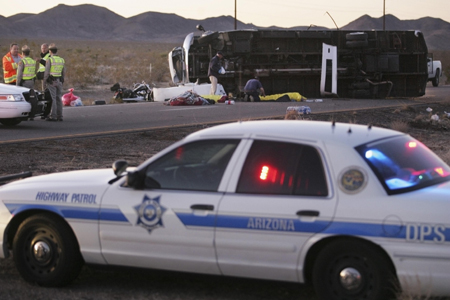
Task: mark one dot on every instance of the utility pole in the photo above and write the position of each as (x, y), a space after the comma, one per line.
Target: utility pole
(384, 15)
(235, 14)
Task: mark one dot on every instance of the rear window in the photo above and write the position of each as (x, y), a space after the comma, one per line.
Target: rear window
(283, 169)
(403, 164)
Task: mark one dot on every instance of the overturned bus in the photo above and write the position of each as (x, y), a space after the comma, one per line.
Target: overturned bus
(346, 64)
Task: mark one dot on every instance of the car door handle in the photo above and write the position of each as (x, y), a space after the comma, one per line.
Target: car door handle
(308, 213)
(202, 206)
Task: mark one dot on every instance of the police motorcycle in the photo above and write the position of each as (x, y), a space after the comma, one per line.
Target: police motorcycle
(143, 90)
(140, 92)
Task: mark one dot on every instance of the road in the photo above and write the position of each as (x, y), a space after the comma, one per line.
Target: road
(132, 117)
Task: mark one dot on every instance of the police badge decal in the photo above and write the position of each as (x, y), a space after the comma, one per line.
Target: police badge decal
(150, 213)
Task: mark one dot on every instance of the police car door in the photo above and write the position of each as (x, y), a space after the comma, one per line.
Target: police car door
(169, 222)
(280, 197)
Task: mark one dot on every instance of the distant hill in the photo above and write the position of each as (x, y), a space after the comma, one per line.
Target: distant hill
(436, 31)
(90, 22)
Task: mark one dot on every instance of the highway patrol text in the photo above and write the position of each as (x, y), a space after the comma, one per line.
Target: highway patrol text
(64, 197)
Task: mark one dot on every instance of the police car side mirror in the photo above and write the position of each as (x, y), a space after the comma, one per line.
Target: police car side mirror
(119, 166)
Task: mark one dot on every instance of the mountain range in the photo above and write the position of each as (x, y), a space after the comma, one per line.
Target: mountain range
(91, 22)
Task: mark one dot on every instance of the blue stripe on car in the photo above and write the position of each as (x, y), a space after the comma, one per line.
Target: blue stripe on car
(408, 232)
(73, 212)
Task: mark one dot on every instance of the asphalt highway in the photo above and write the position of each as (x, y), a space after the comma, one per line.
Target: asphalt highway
(131, 117)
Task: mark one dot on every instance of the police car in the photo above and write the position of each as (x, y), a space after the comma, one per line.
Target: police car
(360, 212)
(14, 105)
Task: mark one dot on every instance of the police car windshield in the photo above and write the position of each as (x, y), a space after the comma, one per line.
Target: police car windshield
(403, 164)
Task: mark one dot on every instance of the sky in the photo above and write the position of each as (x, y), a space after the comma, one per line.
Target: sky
(282, 13)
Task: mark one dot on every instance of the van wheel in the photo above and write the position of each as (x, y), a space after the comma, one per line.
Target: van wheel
(352, 270)
(46, 252)
(435, 80)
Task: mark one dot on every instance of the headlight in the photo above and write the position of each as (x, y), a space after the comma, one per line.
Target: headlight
(11, 97)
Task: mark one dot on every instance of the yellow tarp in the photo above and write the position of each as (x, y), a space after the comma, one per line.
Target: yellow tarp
(212, 97)
(293, 96)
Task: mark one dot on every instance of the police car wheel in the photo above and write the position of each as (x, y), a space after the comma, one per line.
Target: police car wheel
(352, 270)
(46, 252)
(10, 122)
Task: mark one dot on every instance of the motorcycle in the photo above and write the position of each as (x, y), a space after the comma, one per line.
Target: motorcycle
(140, 92)
(143, 90)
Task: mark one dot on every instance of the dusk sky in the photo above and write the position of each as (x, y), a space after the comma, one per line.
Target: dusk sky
(282, 13)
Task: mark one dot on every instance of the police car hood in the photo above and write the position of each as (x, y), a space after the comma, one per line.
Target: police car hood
(59, 185)
(12, 89)
(82, 177)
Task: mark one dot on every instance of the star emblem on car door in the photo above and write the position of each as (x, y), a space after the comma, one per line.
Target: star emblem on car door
(150, 213)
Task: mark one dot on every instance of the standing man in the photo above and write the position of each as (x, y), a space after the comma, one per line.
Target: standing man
(213, 71)
(26, 74)
(253, 88)
(45, 54)
(53, 80)
(10, 64)
(26, 70)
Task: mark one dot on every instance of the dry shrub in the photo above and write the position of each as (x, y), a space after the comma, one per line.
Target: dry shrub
(420, 118)
(91, 63)
(292, 115)
(401, 126)
(404, 107)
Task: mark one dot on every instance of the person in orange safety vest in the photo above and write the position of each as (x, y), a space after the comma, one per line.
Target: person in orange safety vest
(10, 63)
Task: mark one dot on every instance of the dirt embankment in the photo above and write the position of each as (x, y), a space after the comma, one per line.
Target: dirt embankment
(100, 152)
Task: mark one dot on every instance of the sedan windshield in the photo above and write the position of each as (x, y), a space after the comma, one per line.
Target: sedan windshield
(403, 164)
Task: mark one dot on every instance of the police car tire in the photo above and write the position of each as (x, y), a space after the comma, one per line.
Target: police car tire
(10, 122)
(378, 279)
(64, 262)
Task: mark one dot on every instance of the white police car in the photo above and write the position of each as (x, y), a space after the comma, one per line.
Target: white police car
(355, 210)
(15, 106)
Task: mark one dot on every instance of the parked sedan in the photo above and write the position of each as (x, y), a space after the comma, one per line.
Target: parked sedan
(15, 104)
(360, 212)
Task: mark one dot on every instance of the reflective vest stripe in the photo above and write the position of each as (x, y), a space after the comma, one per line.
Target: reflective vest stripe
(41, 66)
(29, 68)
(11, 78)
(57, 65)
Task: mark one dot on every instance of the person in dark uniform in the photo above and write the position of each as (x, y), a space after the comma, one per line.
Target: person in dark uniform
(253, 88)
(54, 79)
(213, 71)
(26, 75)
